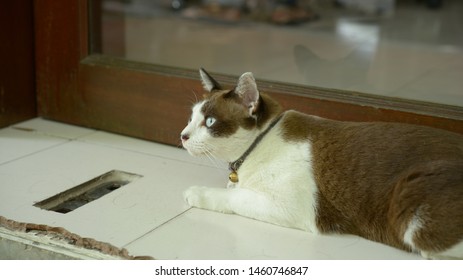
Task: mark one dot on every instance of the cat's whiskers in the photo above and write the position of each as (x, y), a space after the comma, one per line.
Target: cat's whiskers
(192, 99)
(204, 149)
(208, 151)
(210, 156)
(196, 96)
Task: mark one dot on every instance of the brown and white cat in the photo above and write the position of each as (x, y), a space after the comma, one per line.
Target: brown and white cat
(398, 184)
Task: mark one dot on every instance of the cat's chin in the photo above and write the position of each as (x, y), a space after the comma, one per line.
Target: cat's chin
(202, 154)
(195, 153)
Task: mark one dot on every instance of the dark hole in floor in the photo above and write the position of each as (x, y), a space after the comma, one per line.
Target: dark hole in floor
(89, 191)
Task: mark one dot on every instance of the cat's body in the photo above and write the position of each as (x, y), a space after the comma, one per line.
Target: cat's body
(398, 184)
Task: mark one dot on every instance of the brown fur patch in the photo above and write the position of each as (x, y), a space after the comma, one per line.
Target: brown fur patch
(434, 191)
(230, 113)
(373, 177)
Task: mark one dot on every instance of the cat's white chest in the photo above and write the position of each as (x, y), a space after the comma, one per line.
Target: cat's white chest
(283, 171)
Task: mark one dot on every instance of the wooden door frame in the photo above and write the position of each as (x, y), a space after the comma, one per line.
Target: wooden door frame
(17, 80)
(153, 102)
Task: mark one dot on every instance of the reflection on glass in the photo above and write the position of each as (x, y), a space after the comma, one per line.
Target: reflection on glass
(408, 49)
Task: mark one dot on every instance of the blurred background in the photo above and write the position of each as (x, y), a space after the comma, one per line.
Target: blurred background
(411, 49)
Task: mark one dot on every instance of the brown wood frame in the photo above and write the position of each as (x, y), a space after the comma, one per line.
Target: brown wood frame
(153, 102)
(17, 81)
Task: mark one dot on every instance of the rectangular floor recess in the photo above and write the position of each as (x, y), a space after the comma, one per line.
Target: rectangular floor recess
(82, 194)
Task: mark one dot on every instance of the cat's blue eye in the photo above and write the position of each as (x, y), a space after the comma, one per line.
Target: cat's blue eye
(210, 121)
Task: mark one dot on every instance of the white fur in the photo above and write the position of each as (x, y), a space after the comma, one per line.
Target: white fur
(247, 90)
(414, 225)
(202, 143)
(266, 190)
(198, 135)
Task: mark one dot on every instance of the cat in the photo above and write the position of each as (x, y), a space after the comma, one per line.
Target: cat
(398, 184)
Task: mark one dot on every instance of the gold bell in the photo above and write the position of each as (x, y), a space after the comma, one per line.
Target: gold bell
(233, 177)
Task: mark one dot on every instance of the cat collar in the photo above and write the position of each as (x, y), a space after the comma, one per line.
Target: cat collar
(234, 166)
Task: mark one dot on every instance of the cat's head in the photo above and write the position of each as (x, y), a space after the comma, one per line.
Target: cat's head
(227, 121)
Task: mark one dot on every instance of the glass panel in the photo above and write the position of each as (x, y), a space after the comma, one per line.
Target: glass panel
(407, 49)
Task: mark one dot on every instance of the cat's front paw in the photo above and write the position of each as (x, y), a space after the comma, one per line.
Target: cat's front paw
(207, 198)
(194, 195)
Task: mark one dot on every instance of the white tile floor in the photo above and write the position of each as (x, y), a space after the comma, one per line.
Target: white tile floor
(40, 158)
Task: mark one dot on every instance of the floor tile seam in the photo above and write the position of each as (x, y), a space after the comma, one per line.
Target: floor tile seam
(157, 227)
(77, 138)
(148, 154)
(37, 151)
(49, 134)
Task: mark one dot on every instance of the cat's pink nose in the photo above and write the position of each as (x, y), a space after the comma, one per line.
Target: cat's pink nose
(184, 137)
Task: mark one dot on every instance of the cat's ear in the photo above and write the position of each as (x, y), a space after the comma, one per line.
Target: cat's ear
(208, 82)
(247, 90)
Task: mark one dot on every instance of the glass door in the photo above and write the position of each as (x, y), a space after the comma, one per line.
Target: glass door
(130, 66)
